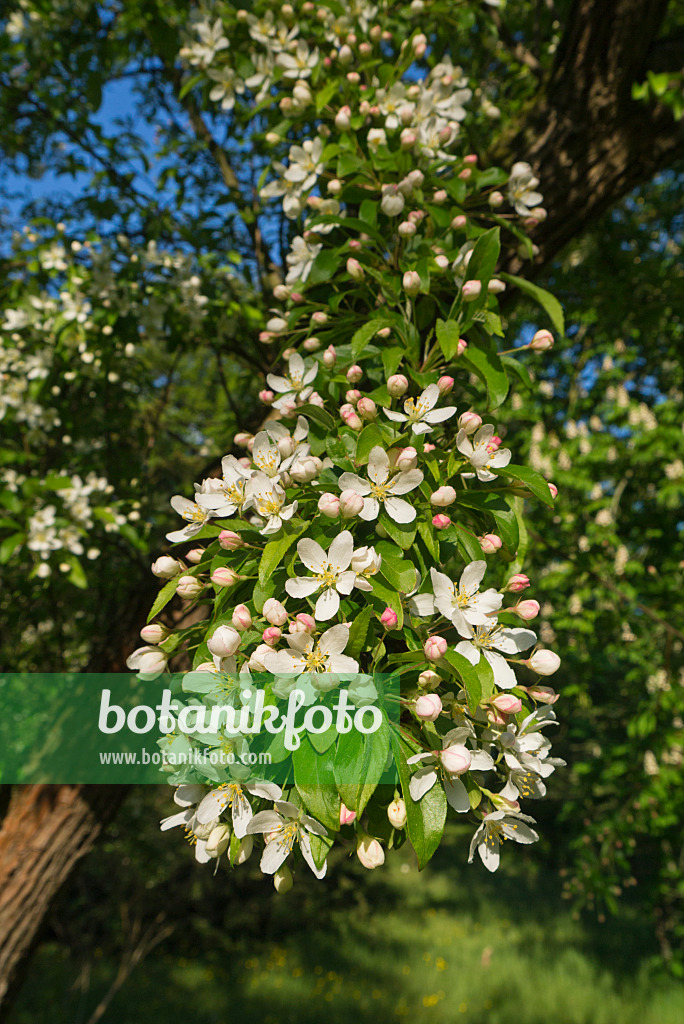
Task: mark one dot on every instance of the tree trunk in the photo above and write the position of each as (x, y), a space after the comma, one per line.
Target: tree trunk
(45, 833)
(586, 139)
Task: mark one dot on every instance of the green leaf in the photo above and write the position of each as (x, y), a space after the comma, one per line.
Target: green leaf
(364, 334)
(483, 261)
(348, 163)
(359, 765)
(315, 783)
(163, 597)
(429, 539)
(369, 438)
(314, 412)
(10, 545)
(425, 820)
(399, 572)
(358, 633)
(326, 94)
(468, 544)
(497, 507)
(448, 335)
(545, 299)
(468, 675)
(402, 534)
(275, 551)
(324, 267)
(487, 364)
(534, 481)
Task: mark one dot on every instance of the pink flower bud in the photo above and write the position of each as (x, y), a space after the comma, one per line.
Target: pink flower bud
(440, 521)
(195, 556)
(343, 116)
(396, 813)
(354, 374)
(224, 642)
(443, 496)
(389, 618)
(554, 490)
(461, 347)
(527, 610)
(544, 663)
(353, 396)
(224, 577)
(440, 196)
(496, 286)
(166, 567)
(495, 200)
(471, 290)
(470, 422)
(494, 444)
(542, 341)
(507, 703)
(189, 587)
(411, 282)
(352, 420)
(428, 707)
(354, 269)
(266, 337)
(458, 222)
(435, 648)
(329, 505)
(148, 661)
(441, 262)
(271, 635)
(353, 77)
(303, 623)
(242, 440)
(384, 332)
(266, 396)
(518, 582)
(154, 633)
(490, 543)
(275, 612)
(311, 345)
(407, 229)
(346, 816)
(543, 694)
(408, 138)
(241, 617)
(281, 292)
(344, 55)
(445, 385)
(334, 187)
(397, 385)
(406, 459)
(456, 759)
(230, 540)
(370, 853)
(429, 680)
(354, 244)
(465, 173)
(470, 159)
(329, 357)
(351, 504)
(365, 49)
(367, 409)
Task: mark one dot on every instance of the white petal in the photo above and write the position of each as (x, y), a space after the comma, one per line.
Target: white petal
(396, 417)
(405, 482)
(519, 832)
(370, 510)
(273, 856)
(489, 855)
(439, 415)
(422, 782)
(399, 510)
(504, 676)
(242, 815)
(472, 576)
(378, 465)
(343, 663)
(266, 790)
(305, 847)
(312, 554)
(341, 551)
(327, 605)
(302, 586)
(212, 806)
(352, 482)
(457, 795)
(264, 821)
(346, 581)
(468, 651)
(334, 640)
(481, 761)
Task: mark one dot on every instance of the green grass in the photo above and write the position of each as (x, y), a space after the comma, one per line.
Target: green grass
(450, 944)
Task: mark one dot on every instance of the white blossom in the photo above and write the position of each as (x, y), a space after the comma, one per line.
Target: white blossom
(380, 488)
(421, 415)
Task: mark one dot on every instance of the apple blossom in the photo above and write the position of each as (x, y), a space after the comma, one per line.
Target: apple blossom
(445, 385)
(397, 385)
(526, 609)
(166, 567)
(148, 661)
(469, 422)
(443, 496)
(389, 618)
(396, 813)
(241, 617)
(329, 505)
(370, 852)
(518, 582)
(189, 587)
(351, 503)
(224, 642)
(542, 341)
(380, 488)
(411, 283)
(155, 633)
(440, 521)
(346, 816)
(354, 374)
(428, 707)
(435, 647)
(332, 574)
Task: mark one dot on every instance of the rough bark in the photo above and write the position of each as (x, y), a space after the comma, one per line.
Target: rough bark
(45, 833)
(588, 141)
